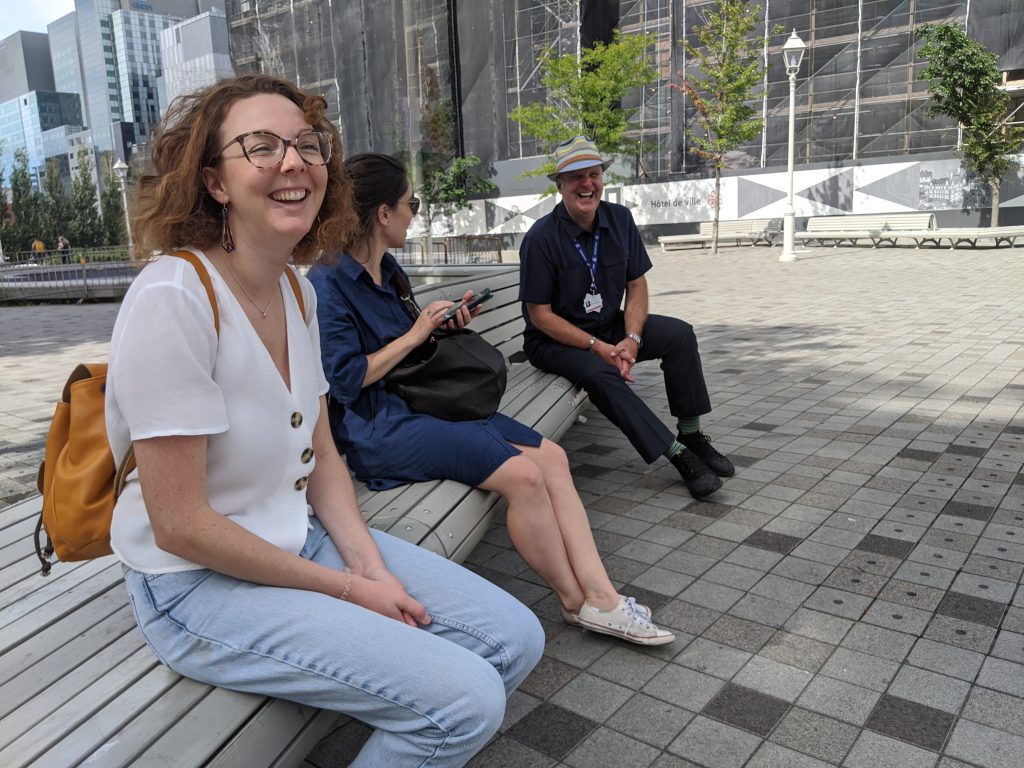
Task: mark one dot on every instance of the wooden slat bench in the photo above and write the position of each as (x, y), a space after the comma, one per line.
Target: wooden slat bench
(878, 228)
(79, 687)
(757, 231)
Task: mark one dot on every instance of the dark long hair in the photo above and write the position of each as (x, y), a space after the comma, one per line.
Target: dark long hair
(376, 180)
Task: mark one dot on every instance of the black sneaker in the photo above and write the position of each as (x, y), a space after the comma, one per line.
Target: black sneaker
(698, 443)
(700, 480)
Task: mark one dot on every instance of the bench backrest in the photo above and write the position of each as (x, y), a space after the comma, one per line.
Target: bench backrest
(865, 222)
(501, 321)
(733, 227)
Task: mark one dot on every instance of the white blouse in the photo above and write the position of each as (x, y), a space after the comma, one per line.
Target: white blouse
(170, 374)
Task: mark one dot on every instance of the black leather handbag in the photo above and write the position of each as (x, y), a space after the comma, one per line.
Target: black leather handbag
(453, 375)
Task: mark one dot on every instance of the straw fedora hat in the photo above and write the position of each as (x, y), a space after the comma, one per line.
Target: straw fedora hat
(575, 154)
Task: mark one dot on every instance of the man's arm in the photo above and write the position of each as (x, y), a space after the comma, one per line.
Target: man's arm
(636, 307)
(564, 332)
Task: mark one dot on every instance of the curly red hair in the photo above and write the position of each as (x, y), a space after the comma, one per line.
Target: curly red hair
(174, 209)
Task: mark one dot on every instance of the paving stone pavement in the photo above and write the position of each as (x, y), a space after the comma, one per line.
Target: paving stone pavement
(851, 598)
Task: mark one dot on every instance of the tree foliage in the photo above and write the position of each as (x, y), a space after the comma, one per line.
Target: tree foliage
(964, 85)
(585, 95)
(56, 204)
(728, 59)
(112, 230)
(25, 206)
(84, 229)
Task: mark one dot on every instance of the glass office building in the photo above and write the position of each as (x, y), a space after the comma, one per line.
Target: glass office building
(40, 122)
(384, 64)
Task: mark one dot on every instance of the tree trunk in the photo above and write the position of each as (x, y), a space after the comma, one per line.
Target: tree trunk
(995, 201)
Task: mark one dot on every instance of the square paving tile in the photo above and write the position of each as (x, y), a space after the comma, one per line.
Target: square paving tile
(683, 687)
(912, 595)
(874, 750)
(797, 651)
(850, 580)
(763, 610)
(985, 587)
(739, 633)
(715, 745)
(650, 720)
(591, 697)
(818, 626)
(626, 667)
(748, 709)
(807, 571)
(971, 511)
(946, 659)
(985, 746)
(686, 617)
(1009, 646)
(970, 608)
(712, 658)
(878, 641)
(898, 617)
(839, 603)
(962, 634)
(505, 752)
(773, 678)
(995, 709)
(776, 756)
(605, 748)
(883, 545)
(860, 669)
(815, 734)
(911, 721)
(844, 701)
(1002, 675)
(781, 543)
(552, 730)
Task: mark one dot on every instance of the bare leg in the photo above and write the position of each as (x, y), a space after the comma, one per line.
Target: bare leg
(549, 527)
(533, 527)
(574, 525)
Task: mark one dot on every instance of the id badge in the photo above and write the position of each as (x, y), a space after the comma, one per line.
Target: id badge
(592, 302)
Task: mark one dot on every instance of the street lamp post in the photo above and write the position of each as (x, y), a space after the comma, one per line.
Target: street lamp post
(792, 54)
(121, 169)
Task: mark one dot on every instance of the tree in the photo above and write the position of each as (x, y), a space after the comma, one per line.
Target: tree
(964, 85)
(56, 205)
(85, 230)
(25, 205)
(728, 60)
(585, 94)
(449, 188)
(111, 209)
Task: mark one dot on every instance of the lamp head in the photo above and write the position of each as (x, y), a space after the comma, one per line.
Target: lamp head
(121, 169)
(793, 53)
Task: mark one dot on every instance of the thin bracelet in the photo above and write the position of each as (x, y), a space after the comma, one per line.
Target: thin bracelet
(348, 584)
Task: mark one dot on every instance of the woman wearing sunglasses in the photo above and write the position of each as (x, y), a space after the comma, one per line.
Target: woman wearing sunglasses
(247, 560)
(365, 332)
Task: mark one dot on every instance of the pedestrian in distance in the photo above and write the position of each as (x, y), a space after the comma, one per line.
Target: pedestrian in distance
(585, 302)
(38, 246)
(365, 333)
(248, 562)
(64, 249)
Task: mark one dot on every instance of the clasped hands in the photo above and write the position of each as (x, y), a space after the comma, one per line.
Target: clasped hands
(622, 356)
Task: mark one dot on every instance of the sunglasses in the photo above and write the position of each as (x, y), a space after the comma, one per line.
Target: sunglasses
(414, 204)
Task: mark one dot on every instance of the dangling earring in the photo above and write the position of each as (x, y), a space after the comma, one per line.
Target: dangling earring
(225, 239)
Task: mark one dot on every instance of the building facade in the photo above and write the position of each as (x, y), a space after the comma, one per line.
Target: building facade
(195, 54)
(384, 64)
(25, 64)
(40, 122)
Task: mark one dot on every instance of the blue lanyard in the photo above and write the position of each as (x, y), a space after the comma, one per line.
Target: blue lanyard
(592, 261)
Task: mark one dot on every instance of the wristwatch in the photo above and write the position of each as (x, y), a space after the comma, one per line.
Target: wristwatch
(637, 338)
(590, 344)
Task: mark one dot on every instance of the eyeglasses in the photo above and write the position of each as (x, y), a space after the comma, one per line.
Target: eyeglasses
(414, 204)
(266, 150)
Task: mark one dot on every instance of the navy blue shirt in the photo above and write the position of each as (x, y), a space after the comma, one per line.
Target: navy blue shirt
(384, 442)
(552, 271)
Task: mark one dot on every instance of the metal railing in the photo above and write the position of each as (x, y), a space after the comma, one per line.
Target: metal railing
(454, 249)
(35, 281)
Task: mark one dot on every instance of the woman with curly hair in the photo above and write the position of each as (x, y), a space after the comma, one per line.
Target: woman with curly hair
(247, 560)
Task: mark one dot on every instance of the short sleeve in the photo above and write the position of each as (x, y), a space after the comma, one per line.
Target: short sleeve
(161, 364)
(536, 271)
(639, 260)
(344, 361)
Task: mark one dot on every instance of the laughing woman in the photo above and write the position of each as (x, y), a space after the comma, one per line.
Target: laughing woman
(246, 557)
(366, 332)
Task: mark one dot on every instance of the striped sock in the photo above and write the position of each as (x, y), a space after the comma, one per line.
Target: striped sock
(673, 449)
(689, 426)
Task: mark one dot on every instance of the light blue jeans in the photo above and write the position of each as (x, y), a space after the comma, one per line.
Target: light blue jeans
(435, 695)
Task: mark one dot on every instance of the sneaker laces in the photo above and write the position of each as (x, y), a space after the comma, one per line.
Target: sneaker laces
(638, 616)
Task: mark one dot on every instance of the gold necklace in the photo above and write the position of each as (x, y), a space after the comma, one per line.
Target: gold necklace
(248, 295)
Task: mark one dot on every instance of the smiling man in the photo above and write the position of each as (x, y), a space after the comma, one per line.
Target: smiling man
(585, 303)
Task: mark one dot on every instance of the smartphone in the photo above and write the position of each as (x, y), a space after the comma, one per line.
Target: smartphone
(473, 303)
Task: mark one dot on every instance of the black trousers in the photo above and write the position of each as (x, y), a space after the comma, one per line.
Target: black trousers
(668, 339)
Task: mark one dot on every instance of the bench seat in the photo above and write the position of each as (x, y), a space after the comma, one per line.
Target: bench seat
(966, 235)
(78, 686)
(878, 228)
(757, 231)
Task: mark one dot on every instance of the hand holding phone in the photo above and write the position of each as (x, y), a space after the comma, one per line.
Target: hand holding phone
(473, 303)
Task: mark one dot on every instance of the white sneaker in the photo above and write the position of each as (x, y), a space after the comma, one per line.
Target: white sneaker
(625, 620)
(573, 619)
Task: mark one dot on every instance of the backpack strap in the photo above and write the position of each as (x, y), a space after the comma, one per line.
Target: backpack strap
(204, 278)
(296, 289)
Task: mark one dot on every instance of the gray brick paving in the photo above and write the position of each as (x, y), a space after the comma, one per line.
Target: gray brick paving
(851, 598)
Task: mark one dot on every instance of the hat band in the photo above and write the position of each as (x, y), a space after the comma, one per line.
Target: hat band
(578, 158)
